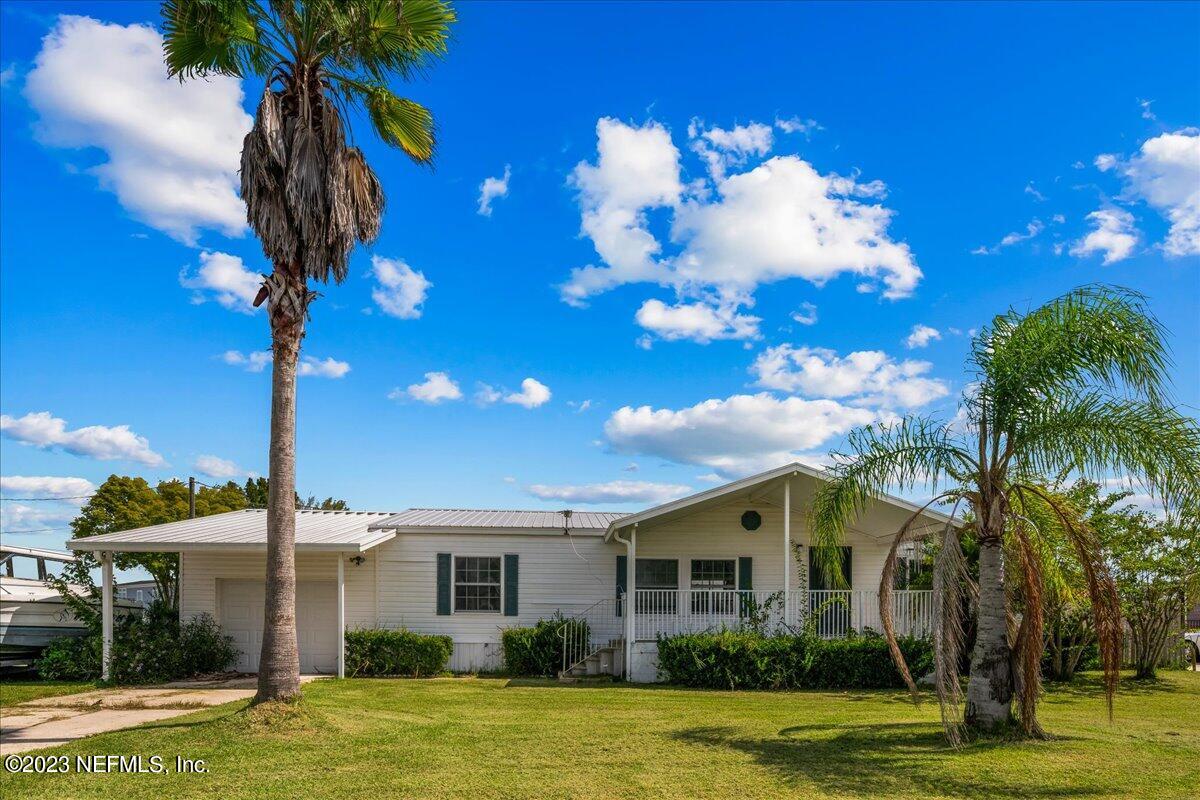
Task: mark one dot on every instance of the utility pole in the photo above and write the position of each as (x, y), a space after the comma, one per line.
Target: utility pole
(191, 498)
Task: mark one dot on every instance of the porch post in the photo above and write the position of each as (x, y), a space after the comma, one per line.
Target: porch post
(106, 615)
(341, 618)
(631, 602)
(787, 546)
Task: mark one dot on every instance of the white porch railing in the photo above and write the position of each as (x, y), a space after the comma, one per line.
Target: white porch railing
(831, 614)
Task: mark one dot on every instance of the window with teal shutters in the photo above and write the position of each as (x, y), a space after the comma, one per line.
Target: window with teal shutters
(622, 579)
(510, 585)
(443, 584)
(745, 579)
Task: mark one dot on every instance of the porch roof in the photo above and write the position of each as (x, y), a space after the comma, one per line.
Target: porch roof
(246, 530)
(767, 488)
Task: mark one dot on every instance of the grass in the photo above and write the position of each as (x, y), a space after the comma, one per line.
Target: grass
(13, 692)
(496, 738)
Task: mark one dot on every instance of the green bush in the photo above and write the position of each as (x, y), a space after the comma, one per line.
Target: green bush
(373, 652)
(752, 660)
(538, 651)
(148, 647)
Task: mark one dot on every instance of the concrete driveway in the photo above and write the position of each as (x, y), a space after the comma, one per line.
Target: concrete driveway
(51, 721)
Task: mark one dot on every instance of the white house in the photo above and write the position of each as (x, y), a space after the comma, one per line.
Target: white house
(723, 557)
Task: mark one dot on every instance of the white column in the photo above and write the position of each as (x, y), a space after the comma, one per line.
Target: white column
(341, 619)
(106, 615)
(787, 546)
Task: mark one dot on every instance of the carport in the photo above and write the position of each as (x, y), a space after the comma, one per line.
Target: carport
(326, 541)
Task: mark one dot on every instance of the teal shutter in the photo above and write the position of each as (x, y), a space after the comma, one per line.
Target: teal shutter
(622, 579)
(510, 585)
(745, 583)
(443, 584)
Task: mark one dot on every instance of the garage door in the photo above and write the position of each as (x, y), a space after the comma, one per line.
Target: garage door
(316, 623)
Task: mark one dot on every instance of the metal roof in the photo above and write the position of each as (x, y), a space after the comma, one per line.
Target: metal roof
(432, 520)
(329, 531)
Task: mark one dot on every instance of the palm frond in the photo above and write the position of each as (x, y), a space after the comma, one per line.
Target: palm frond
(214, 37)
(951, 587)
(402, 123)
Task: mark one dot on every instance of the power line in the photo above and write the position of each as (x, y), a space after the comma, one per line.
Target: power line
(46, 499)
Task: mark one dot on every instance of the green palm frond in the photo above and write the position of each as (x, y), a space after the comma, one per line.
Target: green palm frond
(214, 37)
(381, 36)
(402, 123)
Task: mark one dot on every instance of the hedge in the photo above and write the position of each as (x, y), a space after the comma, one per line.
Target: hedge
(750, 660)
(537, 651)
(374, 652)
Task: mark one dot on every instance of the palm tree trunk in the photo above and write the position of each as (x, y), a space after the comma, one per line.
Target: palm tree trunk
(990, 689)
(279, 664)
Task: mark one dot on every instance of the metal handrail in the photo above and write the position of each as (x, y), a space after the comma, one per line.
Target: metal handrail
(578, 632)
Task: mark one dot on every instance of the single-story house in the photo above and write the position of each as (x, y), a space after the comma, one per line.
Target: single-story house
(729, 556)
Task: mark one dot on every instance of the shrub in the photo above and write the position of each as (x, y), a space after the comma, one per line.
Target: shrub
(373, 652)
(752, 660)
(150, 647)
(538, 650)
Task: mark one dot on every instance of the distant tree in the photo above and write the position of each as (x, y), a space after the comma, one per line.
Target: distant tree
(256, 490)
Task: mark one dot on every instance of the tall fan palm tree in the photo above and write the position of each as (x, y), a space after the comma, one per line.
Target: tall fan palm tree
(310, 196)
(1076, 386)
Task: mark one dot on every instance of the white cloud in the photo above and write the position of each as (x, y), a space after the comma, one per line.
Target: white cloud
(632, 466)
(34, 517)
(1146, 112)
(437, 388)
(721, 149)
(43, 430)
(308, 366)
(1166, 175)
(492, 188)
(219, 468)
(533, 394)
(401, 290)
(779, 220)
(698, 322)
(736, 435)
(1032, 229)
(865, 377)
(46, 487)
(1106, 161)
(921, 336)
(486, 394)
(580, 406)
(797, 125)
(1113, 234)
(1032, 190)
(173, 148)
(806, 314)
(226, 278)
(611, 492)
(8, 74)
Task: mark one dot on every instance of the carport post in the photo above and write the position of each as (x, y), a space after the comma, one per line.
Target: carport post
(106, 615)
(341, 659)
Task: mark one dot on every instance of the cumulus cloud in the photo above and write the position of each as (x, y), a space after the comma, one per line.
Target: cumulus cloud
(806, 314)
(736, 435)
(491, 189)
(437, 388)
(486, 394)
(400, 290)
(45, 431)
(921, 336)
(35, 517)
(1113, 234)
(1165, 174)
(46, 487)
(864, 378)
(309, 366)
(611, 492)
(215, 467)
(722, 148)
(698, 322)
(173, 148)
(782, 219)
(533, 394)
(796, 125)
(1032, 229)
(223, 278)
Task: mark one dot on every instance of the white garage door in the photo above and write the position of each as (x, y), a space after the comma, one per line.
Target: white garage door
(316, 623)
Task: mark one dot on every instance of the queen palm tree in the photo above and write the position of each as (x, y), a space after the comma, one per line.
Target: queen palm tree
(1077, 386)
(310, 196)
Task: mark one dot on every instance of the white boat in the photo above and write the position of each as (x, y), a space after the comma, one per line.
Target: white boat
(32, 613)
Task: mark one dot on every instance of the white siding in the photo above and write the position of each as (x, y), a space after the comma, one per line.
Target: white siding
(200, 573)
(551, 577)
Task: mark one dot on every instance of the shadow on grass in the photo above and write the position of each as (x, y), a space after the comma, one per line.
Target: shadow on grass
(879, 761)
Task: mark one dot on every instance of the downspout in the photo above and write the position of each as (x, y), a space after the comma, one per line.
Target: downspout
(630, 586)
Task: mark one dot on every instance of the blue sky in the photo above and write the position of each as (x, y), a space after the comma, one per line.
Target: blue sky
(957, 160)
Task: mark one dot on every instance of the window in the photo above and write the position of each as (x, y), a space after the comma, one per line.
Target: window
(477, 583)
(711, 575)
(657, 573)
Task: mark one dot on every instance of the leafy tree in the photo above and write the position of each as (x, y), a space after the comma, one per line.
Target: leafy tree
(1075, 386)
(310, 196)
(257, 490)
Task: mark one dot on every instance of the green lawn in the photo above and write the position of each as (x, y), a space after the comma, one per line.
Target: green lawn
(13, 692)
(484, 738)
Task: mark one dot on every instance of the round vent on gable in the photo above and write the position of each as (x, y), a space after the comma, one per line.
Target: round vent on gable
(751, 520)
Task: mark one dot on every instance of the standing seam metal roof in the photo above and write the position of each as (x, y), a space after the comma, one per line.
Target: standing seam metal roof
(441, 518)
